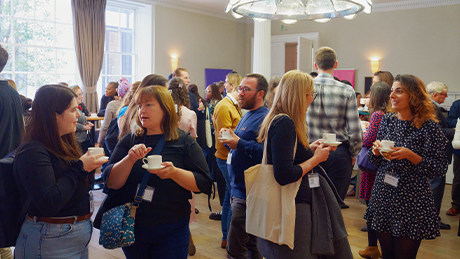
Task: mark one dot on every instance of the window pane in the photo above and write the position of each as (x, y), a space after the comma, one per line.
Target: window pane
(5, 29)
(64, 36)
(131, 21)
(64, 11)
(44, 79)
(69, 79)
(113, 64)
(44, 10)
(46, 60)
(112, 41)
(25, 59)
(103, 72)
(44, 33)
(9, 64)
(66, 62)
(23, 31)
(125, 16)
(24, 8)
(111, 17)
(26, 84)
(127, 65)
(130, 79)
(126, 42)
(5, 7)
(112, 79)
(4, 76)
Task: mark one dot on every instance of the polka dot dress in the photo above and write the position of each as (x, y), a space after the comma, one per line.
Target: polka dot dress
(408, 209)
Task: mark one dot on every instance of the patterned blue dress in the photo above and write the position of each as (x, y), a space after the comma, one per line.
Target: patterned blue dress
(408, 209)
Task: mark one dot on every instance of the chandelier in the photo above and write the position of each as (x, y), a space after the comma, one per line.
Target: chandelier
(290, 11)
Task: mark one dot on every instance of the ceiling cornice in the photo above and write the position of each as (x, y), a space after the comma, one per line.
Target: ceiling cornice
(383, 7)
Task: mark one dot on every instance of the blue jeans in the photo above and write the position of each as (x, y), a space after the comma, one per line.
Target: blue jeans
(438, 185)
(226, 210)
(163, 241)
(43, 240)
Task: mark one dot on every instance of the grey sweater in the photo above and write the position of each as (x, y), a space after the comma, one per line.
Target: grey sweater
(81, 132)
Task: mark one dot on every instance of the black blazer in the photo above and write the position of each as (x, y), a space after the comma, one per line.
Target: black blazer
(448, 132)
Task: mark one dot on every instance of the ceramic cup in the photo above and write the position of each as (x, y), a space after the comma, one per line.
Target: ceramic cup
(95, 150)
(329, 138)
(226, 134)
(175, 107)
(386, 144)
(153, 161)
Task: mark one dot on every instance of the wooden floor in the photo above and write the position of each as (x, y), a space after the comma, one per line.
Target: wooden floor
(207, 233)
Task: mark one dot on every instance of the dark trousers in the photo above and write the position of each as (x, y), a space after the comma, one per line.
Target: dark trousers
(339, 169)
(240, 245)
(438, 185)
(162, 242)
(456, 183)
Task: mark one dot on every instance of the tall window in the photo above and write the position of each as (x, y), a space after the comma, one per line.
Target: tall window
(38, 35)
(119, 50)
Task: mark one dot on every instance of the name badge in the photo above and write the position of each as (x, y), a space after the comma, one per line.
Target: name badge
(91, 202)
(313, 180)
(148, 193)
(391, 180)
(229, 158)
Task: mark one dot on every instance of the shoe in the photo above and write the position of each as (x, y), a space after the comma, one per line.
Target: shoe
(216, 216)
(372, 252)
(452, 212)
(191, 246)
(444, 226)
(352, 192)
(223, 244)
(364, 228)
(344, 206)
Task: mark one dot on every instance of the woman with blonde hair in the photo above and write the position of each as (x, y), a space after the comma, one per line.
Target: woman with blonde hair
(283, 133)
(232, 81)
(401, 207)
(162, 219)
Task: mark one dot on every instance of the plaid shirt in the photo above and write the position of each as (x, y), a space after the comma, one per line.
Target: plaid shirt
(335, 111)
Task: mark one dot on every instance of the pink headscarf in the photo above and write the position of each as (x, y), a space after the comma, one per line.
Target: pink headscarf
(123, 87)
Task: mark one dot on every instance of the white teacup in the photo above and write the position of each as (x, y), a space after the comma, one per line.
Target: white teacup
(226, 134)
(364, 100)
(329, 138)
(95, 150)
(175, 107)
(153, 161)
(363, 124)
(386, 144)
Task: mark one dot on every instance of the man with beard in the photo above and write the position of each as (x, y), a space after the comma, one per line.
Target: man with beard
(245, 152)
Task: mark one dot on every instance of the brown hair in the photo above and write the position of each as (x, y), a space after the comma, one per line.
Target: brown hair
(272, 84)
(178, 72)
(192, 88)
(179, 94)
(51, 100)
(215, 94)
(169, 124)
(385, 76)
(130, 114)
(380, 98)
(325, 58)
(419, 101)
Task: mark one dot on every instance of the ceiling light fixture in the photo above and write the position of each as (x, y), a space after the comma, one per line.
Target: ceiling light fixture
(290, 11)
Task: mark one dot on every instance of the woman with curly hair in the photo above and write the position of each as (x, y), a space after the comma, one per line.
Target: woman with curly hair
(401, 207)
(186, 117)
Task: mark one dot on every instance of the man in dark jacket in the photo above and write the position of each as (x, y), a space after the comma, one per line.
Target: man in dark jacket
(438, 93)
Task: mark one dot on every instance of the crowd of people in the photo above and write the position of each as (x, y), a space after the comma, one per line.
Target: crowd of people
(249, 120)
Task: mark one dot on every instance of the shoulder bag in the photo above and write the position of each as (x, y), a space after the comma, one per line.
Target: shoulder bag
(363, 162)
(270, 212)
(208, 129)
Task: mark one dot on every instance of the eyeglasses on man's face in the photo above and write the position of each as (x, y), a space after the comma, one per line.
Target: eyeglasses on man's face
(245, 90)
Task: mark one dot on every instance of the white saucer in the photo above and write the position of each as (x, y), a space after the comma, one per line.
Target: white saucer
(104, 157)
(332, 144)
(223, 138)
(385, 150)
(153, 168)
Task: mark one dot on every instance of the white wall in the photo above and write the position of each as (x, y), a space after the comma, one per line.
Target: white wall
(200, 41)
(424, 42)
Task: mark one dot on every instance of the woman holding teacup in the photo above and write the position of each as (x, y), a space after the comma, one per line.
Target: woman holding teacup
(401, 207)
(162, 219)
(55, 178)
(282, 134)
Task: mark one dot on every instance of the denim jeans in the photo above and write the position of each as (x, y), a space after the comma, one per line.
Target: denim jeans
(226, 210)
(162, 241)
(43, 240)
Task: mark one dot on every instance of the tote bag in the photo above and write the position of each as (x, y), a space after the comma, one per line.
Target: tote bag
(270, 212)
(208, 130)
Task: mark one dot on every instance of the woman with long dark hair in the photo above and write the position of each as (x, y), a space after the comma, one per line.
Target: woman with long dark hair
(401, 207)
(200, 124)
(53, 174)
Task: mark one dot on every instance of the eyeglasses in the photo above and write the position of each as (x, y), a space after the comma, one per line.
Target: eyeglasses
(245, 89)
(314, 95)
(207, 91)
(443, 94)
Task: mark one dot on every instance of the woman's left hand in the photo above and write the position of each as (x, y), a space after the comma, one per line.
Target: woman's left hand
(317, 143)
(403, 153)
(168, 172)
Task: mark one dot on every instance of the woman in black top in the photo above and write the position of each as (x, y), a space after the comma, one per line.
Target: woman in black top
(294, 95)
(52, 174)
(162, 219)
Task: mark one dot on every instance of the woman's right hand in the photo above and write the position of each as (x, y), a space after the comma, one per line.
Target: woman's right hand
(375, 147)
(322, 153)
(88, 126)
(91, 162)
(138, 152)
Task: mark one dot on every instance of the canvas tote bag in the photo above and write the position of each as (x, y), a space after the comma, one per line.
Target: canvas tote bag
(207, 125)
(270, 212)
